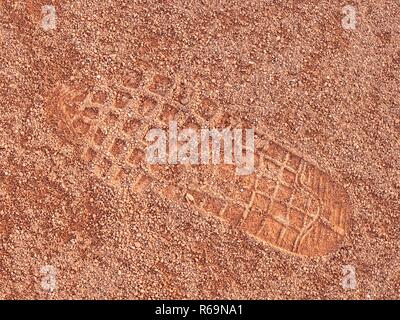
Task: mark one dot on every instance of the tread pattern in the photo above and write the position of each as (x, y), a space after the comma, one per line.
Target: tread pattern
(287, 202)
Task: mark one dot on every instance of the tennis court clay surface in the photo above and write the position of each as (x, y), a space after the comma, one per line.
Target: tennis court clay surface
(85, 215)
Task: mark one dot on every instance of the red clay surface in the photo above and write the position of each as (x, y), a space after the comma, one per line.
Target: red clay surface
(76, 194)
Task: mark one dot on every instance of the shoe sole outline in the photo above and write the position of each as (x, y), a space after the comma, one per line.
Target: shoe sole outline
(288, 202)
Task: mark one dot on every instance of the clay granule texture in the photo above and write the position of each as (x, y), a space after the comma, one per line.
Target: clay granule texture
(323, 100)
